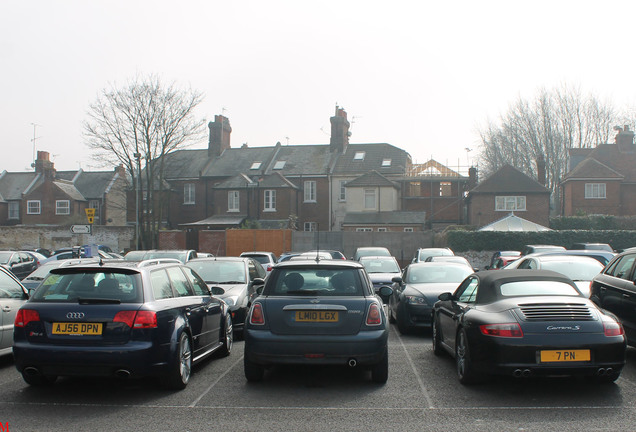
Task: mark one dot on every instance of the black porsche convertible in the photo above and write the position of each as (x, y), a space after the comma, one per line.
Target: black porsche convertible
(526, 323)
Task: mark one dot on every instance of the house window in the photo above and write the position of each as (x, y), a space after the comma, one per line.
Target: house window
(279, 164)
(188, 193)
(94, 204)
(62, 207)
(382, 230)
(364, 229)
(255, 165)
(270, 200)
(233, 201)
(595, 191)
(510, 203)
(310, 226)
(310, 191)
(33, 207)
(14, 210)
(408, 229)
(386, 162)
(445, 189)
(359, 155)
(343, 191)
(369, 199)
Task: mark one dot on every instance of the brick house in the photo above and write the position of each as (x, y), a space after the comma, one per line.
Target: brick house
(601, 180)
(508, 190)
(49, 197)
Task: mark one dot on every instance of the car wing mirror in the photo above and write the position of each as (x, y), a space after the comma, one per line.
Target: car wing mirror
(258, 282)
(445, 296)
(385, 292)
(397, 279)
(259, 289)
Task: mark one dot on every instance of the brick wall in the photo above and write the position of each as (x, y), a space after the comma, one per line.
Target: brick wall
(56, 237)
(213, 242)
(172, 240)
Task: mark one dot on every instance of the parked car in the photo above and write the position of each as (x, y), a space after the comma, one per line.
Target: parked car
(423, 253)
(12, 296)
(286, 256)
(121, 319)
(381, 270)
(416, 292)
(592, 246)
(502, 262)
(19, 263)
(233, 279)
(600, 255)
(183, 255)
(316, 255)
(530, 249)
(267, 259)
(524, 323)
(317, 313)
(451, 258)
(580, 269)
(33, 280)
(614, 289)
(335, 254)
(370, 251)
(508, 255)
(38, 257)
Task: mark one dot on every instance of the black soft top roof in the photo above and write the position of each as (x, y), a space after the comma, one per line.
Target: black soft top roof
(491, 280)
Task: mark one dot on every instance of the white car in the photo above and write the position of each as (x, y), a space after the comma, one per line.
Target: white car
(12, 296)
(266, 259)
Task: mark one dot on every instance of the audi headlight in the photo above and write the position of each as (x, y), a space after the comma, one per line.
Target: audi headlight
(230, 300)
(416, 300)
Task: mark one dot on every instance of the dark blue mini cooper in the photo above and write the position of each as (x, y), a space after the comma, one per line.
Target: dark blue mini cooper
(123, 319)
(316, 312)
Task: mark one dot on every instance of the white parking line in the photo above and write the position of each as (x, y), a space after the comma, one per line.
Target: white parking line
(417, 375)
(197, 400)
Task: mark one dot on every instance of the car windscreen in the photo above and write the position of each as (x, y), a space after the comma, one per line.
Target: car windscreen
(577, 271)
(5, 256)
(90, 286)
(436, 274)
(380, 266)
(538, 288)
(219, 272)
(181, 256)
(329, 281)
(263, 259)
(429, 253)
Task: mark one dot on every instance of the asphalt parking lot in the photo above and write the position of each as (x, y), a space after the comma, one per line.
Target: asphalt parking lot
(422, 394)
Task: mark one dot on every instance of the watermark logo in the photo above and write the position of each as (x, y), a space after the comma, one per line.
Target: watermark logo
(4, 427)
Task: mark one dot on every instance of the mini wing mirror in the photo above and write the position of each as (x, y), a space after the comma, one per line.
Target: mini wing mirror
(385, 292)
(445, 296)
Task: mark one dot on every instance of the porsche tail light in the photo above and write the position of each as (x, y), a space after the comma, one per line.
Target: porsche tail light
(256, 315)
(25, 316)
(137, 319)
(374, 317)
(511, 330)
(612, 328)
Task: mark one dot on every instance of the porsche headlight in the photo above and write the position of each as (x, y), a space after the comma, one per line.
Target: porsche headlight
(416, 300)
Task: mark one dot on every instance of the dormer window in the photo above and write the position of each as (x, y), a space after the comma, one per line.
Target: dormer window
(386, 162)
(279, 164)
(358, 155)
(256, 165)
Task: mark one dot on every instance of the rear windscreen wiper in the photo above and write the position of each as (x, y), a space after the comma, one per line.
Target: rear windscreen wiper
(98, 301)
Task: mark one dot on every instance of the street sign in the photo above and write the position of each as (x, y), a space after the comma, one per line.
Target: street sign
(90, 215)
(81, 229)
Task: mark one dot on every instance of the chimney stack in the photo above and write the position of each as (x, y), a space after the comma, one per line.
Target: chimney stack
(44, 166)
(339, 131)
(541, 175)
(220, 131)
(625, 139)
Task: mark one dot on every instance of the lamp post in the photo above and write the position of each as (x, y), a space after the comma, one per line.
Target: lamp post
(137, 157)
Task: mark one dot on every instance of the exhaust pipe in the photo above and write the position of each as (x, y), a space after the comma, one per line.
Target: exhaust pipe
(517, 373)
(608, 371)
(122, 373)
(352, 362)
(601, 371)
(526, 373)
(31, 371)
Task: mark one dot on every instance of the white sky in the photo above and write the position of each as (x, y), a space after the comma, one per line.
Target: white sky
(421, 75)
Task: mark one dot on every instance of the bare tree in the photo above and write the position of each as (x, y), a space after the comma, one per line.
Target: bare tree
(545, 129)
(137, 125)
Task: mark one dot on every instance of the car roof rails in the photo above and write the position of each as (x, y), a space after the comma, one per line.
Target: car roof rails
(156, 261)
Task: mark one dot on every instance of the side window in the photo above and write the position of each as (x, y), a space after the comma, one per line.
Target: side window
(179, 282)
(160, 284)
(467, 292)
(258, 269)
(527, 264)
(9, 288)
(622, 267)
(199, 287)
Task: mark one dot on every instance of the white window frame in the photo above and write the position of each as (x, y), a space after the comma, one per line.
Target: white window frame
(445, 187)
(408, 229)
(359, 155)
(510, 203)
(364, 229)
(370, 194)
(233, 201)
(595, 191)
(269, 200)
(189, 190)
(279, 164)
(256, 165)
(383, 230)
(62, 207)
(309, 187)
(34, 207)
(14, 210)
(94, 204)
(343, 191)
(386, 162)
(310, 226)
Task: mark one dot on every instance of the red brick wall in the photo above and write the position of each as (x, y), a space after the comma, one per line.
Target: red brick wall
(482, 209)
(172, 240)
(574, 199)
(213, 242)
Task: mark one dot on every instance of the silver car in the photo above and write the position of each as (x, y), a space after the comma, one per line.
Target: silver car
(12, 296)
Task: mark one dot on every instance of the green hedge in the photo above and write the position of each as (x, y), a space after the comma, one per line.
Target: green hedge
(462, 240)
(599, 222)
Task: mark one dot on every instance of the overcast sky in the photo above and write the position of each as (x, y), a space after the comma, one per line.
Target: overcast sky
(421, 75)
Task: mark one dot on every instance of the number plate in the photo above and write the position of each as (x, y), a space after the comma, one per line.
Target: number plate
(316, 316)
(565, 356)
(79, 329)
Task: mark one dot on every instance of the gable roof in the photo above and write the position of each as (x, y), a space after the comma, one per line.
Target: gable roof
(372, 178)
(622, 162)
(509, 179)
(69, 189)
(590, 168)
(13, 185)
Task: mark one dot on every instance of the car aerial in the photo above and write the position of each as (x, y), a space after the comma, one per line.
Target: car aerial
(370, 251)
(183, 255)
(19, 263)
(12, 296)
(317, 313)
(592, 246)
(233, 279)
(121, 319)
(581, 269)
(523, 323)
(509, 255)
(266, 259)
(614, 289)
(529, 249)
(423, 253)
(381, 270)
(416, 292)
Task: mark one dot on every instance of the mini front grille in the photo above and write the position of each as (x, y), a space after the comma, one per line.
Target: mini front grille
(556, 312)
